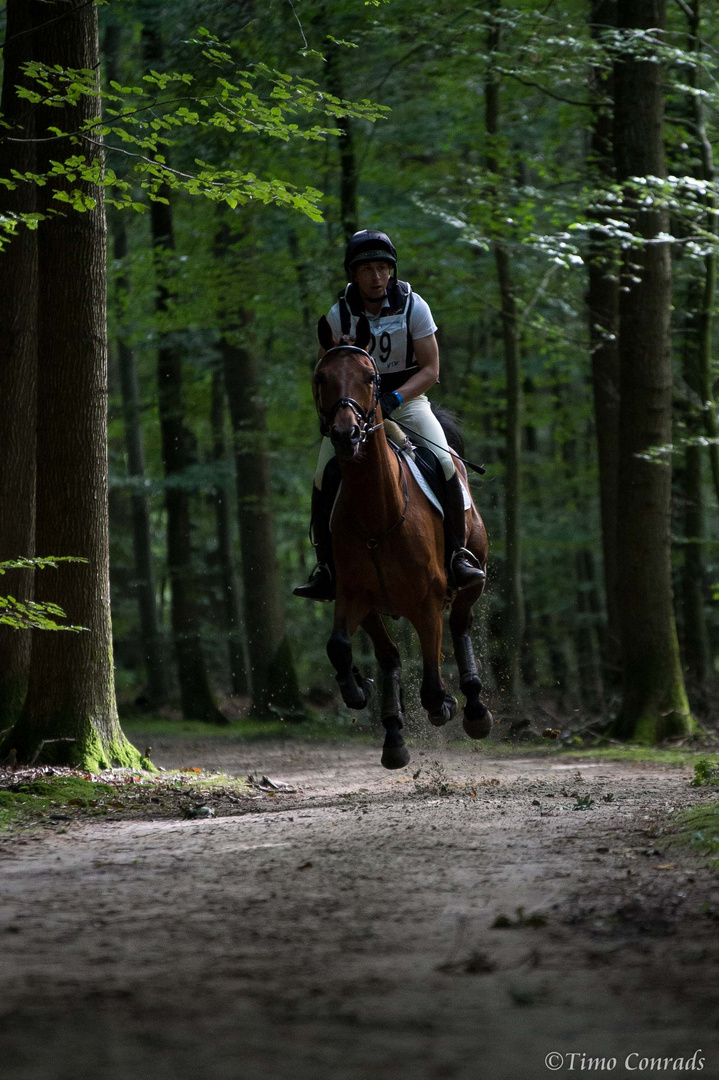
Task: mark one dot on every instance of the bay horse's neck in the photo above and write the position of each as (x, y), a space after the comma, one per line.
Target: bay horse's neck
(372, 481)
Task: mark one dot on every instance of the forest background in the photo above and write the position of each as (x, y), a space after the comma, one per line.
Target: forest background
(487, 141)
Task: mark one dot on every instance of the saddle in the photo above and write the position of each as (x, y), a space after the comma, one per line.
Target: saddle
(422, 462)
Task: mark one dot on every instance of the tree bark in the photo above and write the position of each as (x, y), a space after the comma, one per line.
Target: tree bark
(512, 576)
(603, 309)
(228, 574)
(654, 704)
(145, 586)
(705, 308)
(70, 703)
(695, 637)
(274, 683)
(348, 160)
(177, 455)
(144, 583)
(18, 355)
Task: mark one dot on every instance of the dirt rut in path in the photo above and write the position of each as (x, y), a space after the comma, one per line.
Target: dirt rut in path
(466, 924)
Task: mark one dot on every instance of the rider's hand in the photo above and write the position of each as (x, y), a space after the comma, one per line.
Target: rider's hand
(389, 402)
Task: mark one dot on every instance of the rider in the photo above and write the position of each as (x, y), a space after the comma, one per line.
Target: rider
(404, 347)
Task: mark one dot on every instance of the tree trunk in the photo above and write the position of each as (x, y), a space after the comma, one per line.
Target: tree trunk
(512, 576)
(348, 160)
(603, 310)
(228, 573)
(144, 583)
(695, 637)
(654, 704)
(71, 696)
(177, 455)
(274, 683)
(18, 356)
(587, 645)
(145, 586)
(704, 310)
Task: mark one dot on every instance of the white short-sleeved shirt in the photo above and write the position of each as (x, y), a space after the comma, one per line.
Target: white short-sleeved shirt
(421, 322)
(389, 344)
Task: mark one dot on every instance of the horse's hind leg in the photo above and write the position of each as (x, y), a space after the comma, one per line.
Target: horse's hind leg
(477, 718)
(355, 689)
(395, 754)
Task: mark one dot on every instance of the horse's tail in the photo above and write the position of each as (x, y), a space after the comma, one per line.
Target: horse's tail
(452, 427)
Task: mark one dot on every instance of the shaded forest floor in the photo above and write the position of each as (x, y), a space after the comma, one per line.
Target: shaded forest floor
(464, 918)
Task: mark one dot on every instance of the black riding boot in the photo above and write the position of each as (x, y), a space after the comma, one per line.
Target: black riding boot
(321, 585)
(463, 569)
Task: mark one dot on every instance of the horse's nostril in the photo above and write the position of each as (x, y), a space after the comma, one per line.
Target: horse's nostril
(347, 437)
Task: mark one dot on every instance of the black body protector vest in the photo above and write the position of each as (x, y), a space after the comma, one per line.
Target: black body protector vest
(391, 342)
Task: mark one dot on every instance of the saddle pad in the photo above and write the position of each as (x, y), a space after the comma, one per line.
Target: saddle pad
(415, 470)
(431, 469)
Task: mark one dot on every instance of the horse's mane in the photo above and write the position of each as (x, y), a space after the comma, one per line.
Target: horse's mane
(452, 427)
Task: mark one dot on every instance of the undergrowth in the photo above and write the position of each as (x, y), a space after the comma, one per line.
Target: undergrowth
(55, 800)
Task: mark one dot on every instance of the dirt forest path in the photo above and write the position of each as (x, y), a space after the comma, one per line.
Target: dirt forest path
(347, 931)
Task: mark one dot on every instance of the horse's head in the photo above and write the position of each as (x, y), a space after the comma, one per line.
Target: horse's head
(346, 388)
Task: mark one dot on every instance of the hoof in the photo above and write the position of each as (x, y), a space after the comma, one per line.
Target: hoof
(478, 727)
(395, 757)
(444, 714)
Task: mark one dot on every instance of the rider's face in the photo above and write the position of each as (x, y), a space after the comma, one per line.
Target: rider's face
(372, 278)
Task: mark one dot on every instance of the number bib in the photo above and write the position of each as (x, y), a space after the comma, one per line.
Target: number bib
(388, 344)
(391, 341)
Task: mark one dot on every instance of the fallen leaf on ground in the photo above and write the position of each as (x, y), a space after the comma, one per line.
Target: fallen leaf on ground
(265, 784)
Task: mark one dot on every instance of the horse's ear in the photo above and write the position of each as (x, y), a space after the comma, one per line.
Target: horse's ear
(363, 334)
(324, 333)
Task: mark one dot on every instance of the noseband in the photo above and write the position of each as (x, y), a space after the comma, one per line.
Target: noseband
(365, 418)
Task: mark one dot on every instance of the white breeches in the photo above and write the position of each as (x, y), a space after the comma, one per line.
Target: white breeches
(426, 431)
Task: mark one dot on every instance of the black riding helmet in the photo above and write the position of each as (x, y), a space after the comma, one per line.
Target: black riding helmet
(368, 245)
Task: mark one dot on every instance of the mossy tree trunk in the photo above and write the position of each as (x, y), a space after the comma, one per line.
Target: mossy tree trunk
(654, 700)
(18, 355)
(70, 705)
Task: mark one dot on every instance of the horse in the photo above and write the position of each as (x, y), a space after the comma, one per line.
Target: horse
(388, 547)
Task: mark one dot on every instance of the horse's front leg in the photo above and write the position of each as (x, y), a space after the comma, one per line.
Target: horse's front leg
(395, 754)
(478, 719)
(355, 689)
(440, 704)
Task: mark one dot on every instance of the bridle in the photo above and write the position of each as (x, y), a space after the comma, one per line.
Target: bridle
(365, 417)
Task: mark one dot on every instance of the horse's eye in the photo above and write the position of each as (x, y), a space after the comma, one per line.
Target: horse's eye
(320, 378)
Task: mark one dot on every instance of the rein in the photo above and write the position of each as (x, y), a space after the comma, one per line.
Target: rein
(367, 426)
